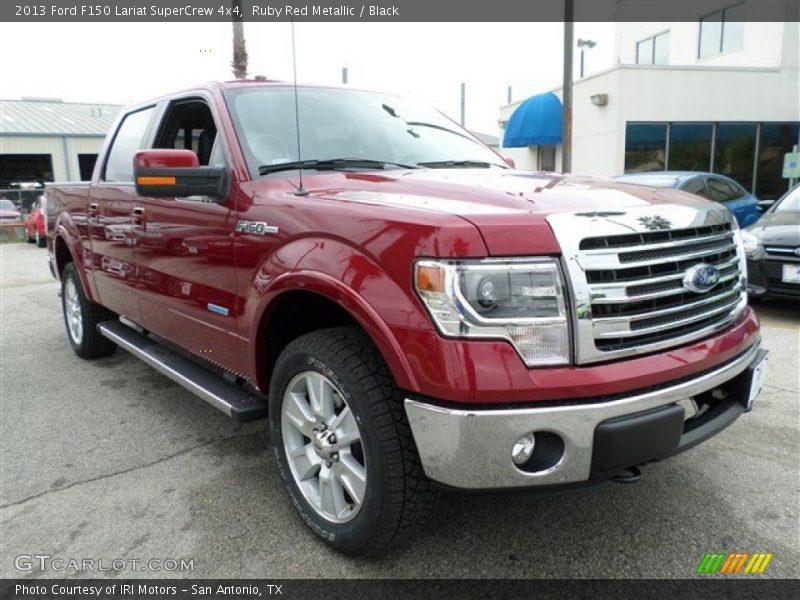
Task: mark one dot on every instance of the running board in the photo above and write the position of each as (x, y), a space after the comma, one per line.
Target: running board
(231, 399)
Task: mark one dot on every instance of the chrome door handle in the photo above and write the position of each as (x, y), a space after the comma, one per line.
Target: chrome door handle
(138, 216)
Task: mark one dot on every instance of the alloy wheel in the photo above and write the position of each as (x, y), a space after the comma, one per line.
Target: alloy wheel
(72, 311)
(323, 447)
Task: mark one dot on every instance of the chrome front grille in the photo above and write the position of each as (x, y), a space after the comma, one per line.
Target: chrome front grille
(627, 271)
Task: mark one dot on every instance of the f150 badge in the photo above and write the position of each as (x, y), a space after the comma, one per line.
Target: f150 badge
(255, 227)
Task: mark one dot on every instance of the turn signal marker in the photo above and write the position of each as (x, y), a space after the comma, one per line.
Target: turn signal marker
(430, 279)
(143, 180)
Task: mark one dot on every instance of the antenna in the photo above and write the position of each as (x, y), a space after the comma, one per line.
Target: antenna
(301, 191)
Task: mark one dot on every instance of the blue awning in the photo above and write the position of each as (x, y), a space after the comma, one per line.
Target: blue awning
(537, 121)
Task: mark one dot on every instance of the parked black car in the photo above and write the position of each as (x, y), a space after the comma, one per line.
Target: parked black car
(772, 246)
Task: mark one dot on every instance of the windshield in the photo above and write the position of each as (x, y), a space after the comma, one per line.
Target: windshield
(790, 202)
(6, 204)
(337, 124)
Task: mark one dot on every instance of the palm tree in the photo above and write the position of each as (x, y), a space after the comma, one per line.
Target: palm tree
(239, 62)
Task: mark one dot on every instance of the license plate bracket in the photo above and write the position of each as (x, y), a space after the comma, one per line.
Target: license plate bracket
(757, 370)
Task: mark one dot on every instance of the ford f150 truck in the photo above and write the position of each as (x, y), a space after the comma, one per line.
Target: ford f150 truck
(407, 311)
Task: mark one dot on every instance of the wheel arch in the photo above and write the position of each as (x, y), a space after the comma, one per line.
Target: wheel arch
(64, 252)
(330, 303)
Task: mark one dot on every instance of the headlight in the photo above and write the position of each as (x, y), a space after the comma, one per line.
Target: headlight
(521, 301)
(750, 243)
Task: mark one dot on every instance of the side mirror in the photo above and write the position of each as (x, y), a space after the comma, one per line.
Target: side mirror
(765, 205)
(176, 173)
(510, 162)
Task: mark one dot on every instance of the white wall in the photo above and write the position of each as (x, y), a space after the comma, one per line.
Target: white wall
(665, 93)
(762, 45)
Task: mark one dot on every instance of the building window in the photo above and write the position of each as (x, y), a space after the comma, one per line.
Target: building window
(653, 50)
(722, 31)
(86, 165)
(547, 158)
(734, 152)
(690, 147)
(687, 147)
(776, 140)
(25, 168)
(645, 147)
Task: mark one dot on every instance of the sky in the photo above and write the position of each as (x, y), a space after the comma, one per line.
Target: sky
(123, 63)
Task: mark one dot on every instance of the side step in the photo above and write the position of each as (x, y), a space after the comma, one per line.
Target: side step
(234, 401)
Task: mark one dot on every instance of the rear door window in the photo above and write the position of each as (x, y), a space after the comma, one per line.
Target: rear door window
(129, 139)
(696, 186)
(721, 191)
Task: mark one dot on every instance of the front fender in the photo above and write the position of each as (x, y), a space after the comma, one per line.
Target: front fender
(382, 306)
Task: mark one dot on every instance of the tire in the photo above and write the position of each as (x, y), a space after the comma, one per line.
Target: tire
(396, 495)
(28, 237)
(41, 241)
(81, 317)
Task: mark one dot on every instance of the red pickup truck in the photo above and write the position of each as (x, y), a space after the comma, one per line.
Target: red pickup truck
(409, 312)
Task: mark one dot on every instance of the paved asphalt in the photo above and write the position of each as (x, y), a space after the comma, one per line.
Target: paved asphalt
(109, 459)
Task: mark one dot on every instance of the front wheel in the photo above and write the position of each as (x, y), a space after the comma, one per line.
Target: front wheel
(342, 442)
(40, 240)
(81, 317)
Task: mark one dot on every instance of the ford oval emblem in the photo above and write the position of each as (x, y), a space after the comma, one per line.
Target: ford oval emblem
(701, 278)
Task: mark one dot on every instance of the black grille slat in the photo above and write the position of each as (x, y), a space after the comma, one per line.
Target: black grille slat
(658, 253)
(631, 309)
(670, 318)
(615, 344)
(651, 237)
(659, 270)
(654, 288)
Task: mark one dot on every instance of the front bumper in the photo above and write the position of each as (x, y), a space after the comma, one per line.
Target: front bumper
(471, 449)
(765, 277)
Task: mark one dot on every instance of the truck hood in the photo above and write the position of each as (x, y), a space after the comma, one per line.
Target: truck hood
(498, 202)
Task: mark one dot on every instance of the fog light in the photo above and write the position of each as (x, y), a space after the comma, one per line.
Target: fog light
(523, 449)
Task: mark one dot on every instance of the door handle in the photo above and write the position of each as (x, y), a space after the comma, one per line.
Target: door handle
(92, 210)
(138, 216)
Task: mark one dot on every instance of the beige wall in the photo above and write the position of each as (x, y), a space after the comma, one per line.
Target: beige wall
(64, 151)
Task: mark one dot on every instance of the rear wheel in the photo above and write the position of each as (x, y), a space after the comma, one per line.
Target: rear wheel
(343, 445)
(28, 237)
(81, 317)
(40, 240)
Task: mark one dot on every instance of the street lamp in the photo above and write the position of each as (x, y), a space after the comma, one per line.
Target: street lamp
(582, 44)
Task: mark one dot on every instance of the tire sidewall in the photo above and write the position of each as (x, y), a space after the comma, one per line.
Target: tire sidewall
(353, 535)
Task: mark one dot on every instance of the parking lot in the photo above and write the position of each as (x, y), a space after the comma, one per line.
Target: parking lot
(111, 460)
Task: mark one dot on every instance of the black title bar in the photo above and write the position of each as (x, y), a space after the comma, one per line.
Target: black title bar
(384, 10)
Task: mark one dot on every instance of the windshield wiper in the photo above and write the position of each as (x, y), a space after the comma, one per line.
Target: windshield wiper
(330, 164)
(457, 164)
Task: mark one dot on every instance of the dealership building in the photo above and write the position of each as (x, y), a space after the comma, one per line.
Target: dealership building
(45, 139)
(718, 94)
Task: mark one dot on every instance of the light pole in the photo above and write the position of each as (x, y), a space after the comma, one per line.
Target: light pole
(583, 44)
(566, 92)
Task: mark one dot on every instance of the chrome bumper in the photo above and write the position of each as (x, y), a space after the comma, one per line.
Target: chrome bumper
(472, 448)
